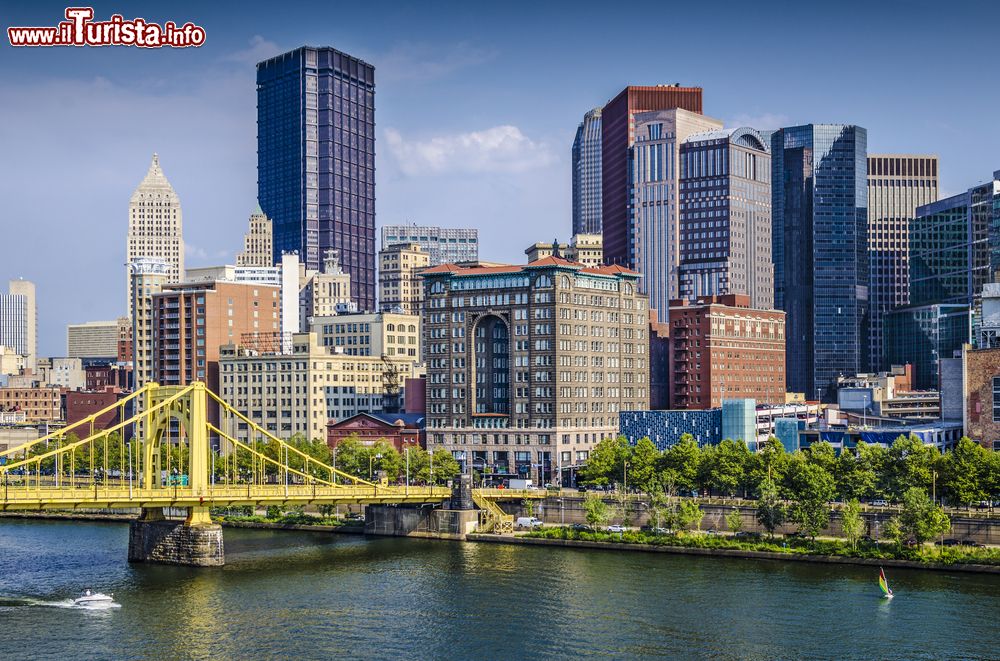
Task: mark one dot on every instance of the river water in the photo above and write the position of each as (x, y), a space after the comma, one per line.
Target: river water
(321, 596)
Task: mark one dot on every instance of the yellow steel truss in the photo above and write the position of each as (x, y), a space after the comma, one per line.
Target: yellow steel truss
(170, 462)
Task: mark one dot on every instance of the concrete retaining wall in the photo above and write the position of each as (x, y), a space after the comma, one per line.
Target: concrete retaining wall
(173, 543)
(419, 522)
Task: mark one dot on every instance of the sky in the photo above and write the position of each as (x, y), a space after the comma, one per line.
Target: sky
(476, 108)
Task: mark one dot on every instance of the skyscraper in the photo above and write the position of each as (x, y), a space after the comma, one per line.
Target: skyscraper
(400, 286)
(652, 245)
(725, 216)
(258, 243)
(617, 134)
(820, 249)
(586, 169)
(19, 321)
(316, 159)
(897, 185)
(147, 276)
(444, 245)
(155, 229)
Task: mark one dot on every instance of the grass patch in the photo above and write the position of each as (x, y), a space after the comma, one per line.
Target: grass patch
(945, 555)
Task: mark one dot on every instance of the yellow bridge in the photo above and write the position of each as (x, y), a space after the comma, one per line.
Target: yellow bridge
(182, 454)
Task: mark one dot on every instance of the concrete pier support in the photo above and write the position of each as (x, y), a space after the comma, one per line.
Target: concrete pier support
(196, 542)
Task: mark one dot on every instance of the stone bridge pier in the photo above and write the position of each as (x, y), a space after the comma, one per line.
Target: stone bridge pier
(196, 541)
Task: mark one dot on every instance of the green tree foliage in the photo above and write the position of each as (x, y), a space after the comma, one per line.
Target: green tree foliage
(642, 466)
(855, 473)
(892, 530)
(852, 522)
(911, 464)
(769, 462)
(723, 467)
(445, 466)
(606, 464)
(811, 488)
(823, 455)
(771, 512)
(679, 465)
(734, 520)
(688, 515)
(660, 514)
(596, 510)
(920, 518)
(964, 479)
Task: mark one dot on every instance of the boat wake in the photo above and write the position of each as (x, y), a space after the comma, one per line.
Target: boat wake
(62, 603)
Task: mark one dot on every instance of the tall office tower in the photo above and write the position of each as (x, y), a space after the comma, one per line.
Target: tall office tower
(725, 216)
(316, 160)
(653, 246)
(154, 225)
(533, 361)
(148, 276)
(258, 242)
(19, 321)
(399, 286)
(954, 253)
(444, 245)
(617, 134)
(820, 249)
(586, 169)
(897, 185)
(93, 339)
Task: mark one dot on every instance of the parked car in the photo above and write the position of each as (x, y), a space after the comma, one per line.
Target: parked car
(353, 516)
(581, 527)
(711, 531)
(912, 542)
(973, 543)
(529, 522)
(656, 530)
(879, 502)
(616, 528)
(746, 534)
(948, 542)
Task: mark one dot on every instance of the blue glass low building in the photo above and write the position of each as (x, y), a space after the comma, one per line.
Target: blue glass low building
(921, 335)
(665, 428)
(787, 430)
(739, 421)
(942, 435)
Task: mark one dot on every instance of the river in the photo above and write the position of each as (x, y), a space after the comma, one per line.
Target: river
(320, 596)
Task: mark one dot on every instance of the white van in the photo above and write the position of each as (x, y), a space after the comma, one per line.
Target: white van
(527, 522)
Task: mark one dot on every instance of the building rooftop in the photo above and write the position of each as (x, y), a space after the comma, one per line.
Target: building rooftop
(549, 261)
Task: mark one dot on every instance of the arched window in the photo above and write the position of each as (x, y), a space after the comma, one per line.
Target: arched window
(412, 328)
(564, 281)
(390, 327)
(628, 290)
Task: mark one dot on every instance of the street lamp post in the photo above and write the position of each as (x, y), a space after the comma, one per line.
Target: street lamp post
(129, 444)
(407, 469)
(625, 475)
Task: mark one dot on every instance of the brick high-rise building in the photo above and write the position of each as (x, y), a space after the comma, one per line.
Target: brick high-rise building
(617, 136)
(721, 348)
(316, 160)
(191, 321)
(148, 276)
(897, 185)
(528, 366)
(399, 285)
(155, 227)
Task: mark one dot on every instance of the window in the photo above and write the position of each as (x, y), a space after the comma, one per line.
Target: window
(996, 399)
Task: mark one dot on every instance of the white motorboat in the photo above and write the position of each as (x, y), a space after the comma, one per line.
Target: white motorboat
(89, 598)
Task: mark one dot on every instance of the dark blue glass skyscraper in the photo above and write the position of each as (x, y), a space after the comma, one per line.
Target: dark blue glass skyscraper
(316, 159)
(820, 250)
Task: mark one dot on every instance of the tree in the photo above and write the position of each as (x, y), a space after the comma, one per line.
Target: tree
(351, 457)
(911, 464)
(445, 466)
(770, 510)
(852, 523)
(528, 506)
(659, 513)
(823, 455)
(596, 510)
(920, 518)
(642, 464)
(679, 465)
(623, 508)
(770, 462)
(893, 531)
(734, 520)
(812, 489)
(855, 476)
(723, 467)
(963, 473)
(689, 515)
(606, 463)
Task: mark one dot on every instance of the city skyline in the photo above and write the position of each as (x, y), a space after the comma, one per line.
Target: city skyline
(459, 145)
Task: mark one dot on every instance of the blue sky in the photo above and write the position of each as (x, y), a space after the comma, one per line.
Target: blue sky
(476, 108)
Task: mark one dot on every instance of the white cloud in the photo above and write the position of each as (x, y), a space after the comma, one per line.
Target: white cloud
(260, 49)
(416, 62)
(497, 149)
(764, 122)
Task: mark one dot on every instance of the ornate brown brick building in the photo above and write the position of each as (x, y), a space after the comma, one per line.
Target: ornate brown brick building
(982, 396)
(721, 348)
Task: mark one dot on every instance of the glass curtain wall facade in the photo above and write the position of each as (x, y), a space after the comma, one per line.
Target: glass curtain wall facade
(586, 170)
(316, 160)
(897, 185)
(820, 250)
(725, 216)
